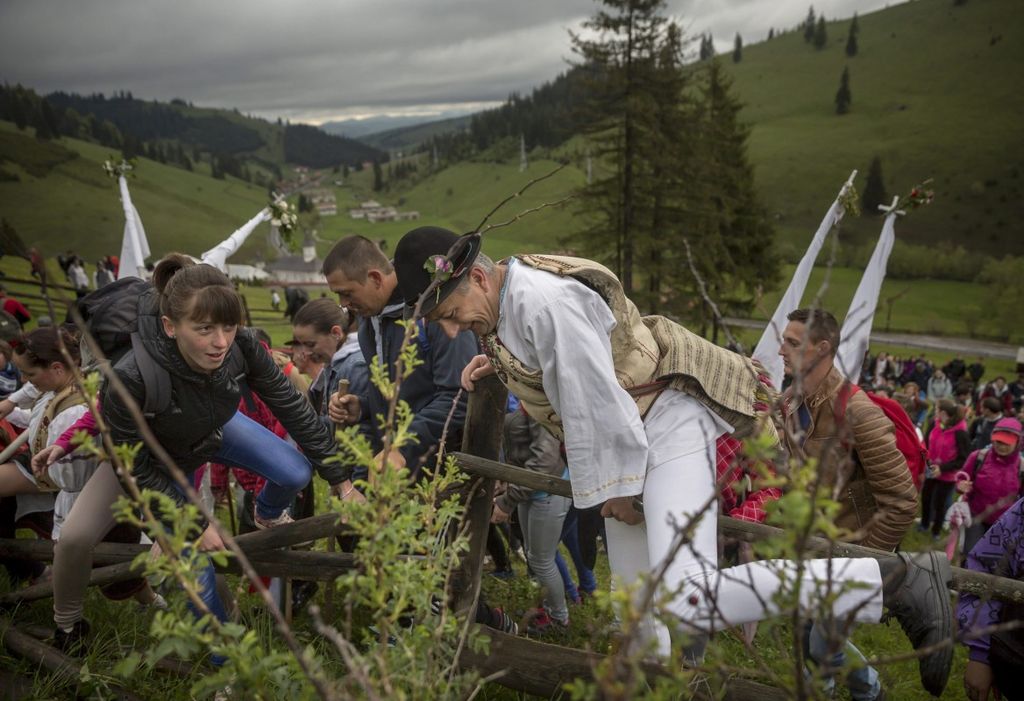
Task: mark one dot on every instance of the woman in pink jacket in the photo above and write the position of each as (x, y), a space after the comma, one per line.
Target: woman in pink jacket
(948, 446)
(993, 483)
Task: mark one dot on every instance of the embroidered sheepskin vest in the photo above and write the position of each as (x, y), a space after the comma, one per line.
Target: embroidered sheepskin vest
(645, 350)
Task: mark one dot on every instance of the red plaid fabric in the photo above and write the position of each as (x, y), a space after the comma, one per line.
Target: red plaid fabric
(738, 496)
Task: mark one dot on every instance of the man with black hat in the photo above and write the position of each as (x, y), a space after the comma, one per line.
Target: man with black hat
(640, 402)
(365, 282)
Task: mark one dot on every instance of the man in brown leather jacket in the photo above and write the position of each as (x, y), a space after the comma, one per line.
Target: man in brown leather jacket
(864, 470)
(855, 445)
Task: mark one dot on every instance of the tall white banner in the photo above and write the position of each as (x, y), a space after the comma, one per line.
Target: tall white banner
(134, 246)
(767, 350)
(219, 254)
(856, 331)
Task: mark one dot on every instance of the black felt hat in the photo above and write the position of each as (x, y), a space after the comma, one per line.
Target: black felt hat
(428, 252)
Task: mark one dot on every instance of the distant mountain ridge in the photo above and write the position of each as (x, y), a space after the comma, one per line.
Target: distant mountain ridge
(410, 137)
(371, 126)
(219, 131)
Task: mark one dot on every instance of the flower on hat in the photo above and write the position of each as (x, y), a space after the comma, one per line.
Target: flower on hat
(440, 267)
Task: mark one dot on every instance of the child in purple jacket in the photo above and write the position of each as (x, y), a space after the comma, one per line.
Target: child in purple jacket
(994, 659)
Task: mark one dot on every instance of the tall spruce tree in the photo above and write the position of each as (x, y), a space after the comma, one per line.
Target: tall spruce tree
(851, 39)
(874, 189)
(665, 150)
(737, 49)
(378, 177)
(50, 117)
(851, 44)
(620, 66)
(728, 230)
(809, 26)
(843, 96)
(707, 47)
(820, 34)
(771, 33)
(42, 125)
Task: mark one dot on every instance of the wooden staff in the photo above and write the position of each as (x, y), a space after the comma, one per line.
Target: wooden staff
(343, 385)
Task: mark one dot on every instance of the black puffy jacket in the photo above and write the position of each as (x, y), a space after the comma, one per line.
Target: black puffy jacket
(190, 429)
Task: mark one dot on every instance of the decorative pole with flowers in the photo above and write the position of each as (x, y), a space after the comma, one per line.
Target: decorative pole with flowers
(134, 245)
(767, 350)
(856, 331)
(278, 212)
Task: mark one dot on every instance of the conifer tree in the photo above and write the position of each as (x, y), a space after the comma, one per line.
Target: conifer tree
(18, 112)
(50, 117)
(851, 44)
(42, 126)
(730, 237)
(874, 189)
(620, 73)
(809, 26)
(771, 33)
(737, 49)
(820, 34)
(707, 47)
(843, 96)
(378, 177)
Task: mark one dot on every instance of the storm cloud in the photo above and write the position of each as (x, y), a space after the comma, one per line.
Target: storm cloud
(315, 60)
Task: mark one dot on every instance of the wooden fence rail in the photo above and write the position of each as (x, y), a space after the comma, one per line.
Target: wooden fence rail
(526, 665)
(964, 581)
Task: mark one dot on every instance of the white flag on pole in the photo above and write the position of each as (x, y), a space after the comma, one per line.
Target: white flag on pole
(767, 350)
(219, 254)
(856, 331)
(134, 246)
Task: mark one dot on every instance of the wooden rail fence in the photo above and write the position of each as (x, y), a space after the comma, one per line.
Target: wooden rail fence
(525, 665)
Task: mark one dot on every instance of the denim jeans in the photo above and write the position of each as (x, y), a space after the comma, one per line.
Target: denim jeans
(570, 538)
(861, 682)
(541, 521)
(252, 447)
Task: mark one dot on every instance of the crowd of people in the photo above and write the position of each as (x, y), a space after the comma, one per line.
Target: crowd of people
(643, 417)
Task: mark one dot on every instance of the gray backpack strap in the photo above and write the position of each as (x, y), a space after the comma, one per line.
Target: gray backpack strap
(155, 379)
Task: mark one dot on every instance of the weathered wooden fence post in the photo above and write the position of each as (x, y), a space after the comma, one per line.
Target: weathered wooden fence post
(485, 421)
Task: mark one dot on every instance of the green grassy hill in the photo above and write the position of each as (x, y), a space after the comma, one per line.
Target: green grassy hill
(935, 94)
(63, 200)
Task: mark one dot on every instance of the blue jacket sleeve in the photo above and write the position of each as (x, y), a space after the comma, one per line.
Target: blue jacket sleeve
(445, 361)
(1000, 552)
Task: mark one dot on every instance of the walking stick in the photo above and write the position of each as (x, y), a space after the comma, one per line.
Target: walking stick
(343, 385)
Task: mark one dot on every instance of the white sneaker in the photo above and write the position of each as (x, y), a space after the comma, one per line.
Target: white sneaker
(264, 523)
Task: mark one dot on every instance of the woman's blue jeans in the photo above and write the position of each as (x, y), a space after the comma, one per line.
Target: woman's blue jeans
(250, 446)
(570, 538)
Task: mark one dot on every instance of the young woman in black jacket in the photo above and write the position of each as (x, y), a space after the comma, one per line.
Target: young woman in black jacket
(195, 337)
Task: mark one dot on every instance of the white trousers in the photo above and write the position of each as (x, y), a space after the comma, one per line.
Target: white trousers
(681, 484)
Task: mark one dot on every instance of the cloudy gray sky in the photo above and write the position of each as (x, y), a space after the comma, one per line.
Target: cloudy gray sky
(318, 60)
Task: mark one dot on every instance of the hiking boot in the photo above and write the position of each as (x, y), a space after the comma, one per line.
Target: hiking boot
(915, 589)
(264, 523)
(69, 641)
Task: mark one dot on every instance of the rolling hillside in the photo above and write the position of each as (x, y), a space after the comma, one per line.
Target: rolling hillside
(63, 200)
(935, 94)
